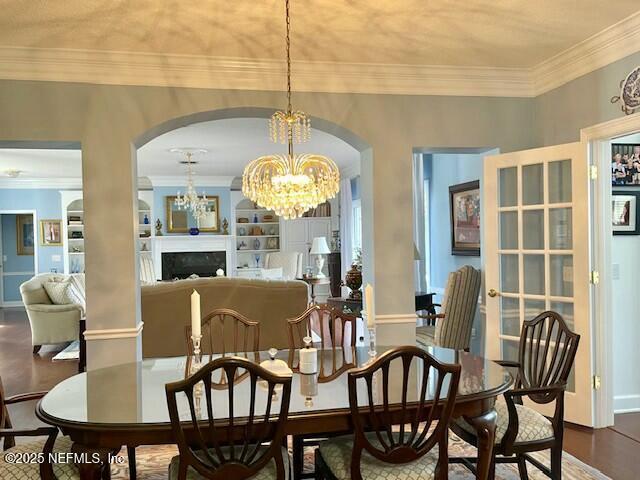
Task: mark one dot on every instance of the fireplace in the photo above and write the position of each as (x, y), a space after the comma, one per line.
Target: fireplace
(184, 264)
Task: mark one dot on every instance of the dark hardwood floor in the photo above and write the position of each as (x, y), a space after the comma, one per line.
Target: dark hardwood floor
(614, 451)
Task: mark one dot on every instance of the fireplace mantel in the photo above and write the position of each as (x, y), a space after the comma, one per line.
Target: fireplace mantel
(193, 243)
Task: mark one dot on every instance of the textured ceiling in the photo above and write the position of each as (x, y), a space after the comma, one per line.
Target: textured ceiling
(510, 33)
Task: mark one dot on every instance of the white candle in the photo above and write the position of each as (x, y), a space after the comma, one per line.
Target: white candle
(196, 319)
(368, 306)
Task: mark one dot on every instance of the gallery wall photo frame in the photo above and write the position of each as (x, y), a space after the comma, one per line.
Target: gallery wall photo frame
(625, 212)
(625, 165)
(51, 232)
(464, 205)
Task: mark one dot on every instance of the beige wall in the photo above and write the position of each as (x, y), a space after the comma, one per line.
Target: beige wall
(107, 120)
(584, 102)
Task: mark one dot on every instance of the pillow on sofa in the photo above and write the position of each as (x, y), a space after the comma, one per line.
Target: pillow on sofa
(36, 296)
(76, 290)
(58, 292)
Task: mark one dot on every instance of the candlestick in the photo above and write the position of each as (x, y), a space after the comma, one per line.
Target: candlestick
(196, 318)
(372, 342)
(308, 357)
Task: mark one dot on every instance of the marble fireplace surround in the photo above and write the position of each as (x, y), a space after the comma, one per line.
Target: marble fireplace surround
(193, 243)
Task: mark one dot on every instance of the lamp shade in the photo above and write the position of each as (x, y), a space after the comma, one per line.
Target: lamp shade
(319, 246)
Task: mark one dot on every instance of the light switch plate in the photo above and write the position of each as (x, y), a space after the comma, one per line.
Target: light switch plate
(56, 258)
(615, 271)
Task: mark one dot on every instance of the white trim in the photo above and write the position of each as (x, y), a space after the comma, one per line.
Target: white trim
(113, 333)
(626, 403)
(36, 232)
(601, 237)
(57, 183)
(396, 318)
(199, 181)
(8, 274)
(350, 171)
(12, 303)
(605, 47)
(197, 71)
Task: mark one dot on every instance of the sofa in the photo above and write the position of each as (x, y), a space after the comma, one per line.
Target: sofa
(51, 323)
(166, 309)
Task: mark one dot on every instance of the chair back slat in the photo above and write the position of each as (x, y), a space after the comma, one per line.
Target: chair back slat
(373, 424)
(335, 328)
(459, 307)
(230, 446)
(547, 352)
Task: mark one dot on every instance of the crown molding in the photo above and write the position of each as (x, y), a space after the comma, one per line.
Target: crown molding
(55, 183)
(605, 47)
(199, 181)
(147, 69)
(195, 71)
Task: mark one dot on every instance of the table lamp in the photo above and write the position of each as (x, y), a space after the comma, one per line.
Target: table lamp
(319, 248)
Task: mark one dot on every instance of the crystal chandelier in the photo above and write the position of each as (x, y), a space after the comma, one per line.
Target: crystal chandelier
(290, 184)
(190, 200)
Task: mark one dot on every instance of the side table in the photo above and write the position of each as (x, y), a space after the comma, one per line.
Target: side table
(313, 281)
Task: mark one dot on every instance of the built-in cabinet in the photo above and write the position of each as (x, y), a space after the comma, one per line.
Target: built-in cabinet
(73, 218)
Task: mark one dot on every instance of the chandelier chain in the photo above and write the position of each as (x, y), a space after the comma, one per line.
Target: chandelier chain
(288, 47)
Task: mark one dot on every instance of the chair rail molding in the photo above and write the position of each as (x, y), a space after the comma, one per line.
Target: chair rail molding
(396, 318)
(113, 333)
(196, 71)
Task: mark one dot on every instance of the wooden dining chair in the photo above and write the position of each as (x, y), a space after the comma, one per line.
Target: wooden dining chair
(333, 327)
(407, 441)
(31, 470)
(226, 331)
(243, 443)
(337, 333)
(546, 356)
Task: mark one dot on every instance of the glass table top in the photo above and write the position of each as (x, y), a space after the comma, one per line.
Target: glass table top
(135, 392)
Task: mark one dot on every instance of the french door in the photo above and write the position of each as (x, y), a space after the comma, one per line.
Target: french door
(536, 253)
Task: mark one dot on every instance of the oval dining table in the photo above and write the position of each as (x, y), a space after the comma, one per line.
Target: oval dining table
(104, 409)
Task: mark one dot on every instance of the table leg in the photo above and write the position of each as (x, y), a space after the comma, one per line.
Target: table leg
(94, 464)
(485, 426)
(313, 295)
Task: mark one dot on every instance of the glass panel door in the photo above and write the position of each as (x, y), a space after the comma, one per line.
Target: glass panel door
(533, 259)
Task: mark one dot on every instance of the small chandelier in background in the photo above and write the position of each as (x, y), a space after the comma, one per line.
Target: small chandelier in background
(290, 184)
(190, 200)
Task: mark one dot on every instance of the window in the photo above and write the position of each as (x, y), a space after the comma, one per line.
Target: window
(356, 227)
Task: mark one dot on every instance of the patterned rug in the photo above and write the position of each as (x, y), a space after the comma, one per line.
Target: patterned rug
(153, 462)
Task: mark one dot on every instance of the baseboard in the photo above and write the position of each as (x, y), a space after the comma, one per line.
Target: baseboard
(626, 403)
(12, 303)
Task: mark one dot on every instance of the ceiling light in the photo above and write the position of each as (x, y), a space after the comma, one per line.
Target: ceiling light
(13, 173)
(190, 200)
(290, 184)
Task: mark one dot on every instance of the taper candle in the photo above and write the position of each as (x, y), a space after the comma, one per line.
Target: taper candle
(196, 319)
(368, 306)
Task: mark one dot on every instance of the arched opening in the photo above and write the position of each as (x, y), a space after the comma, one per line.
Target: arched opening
(242, 238)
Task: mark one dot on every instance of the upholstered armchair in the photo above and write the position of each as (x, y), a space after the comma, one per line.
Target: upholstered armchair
(455, 322)
(290, 262)
(50, 323)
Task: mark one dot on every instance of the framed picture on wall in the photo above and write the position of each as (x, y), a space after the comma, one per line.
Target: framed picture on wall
(625, 164)
(464, 202)
(180, 220)
(24, 234)
(624, 213)
(50, 233)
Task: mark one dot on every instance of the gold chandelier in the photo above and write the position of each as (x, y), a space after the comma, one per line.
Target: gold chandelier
(290, 184)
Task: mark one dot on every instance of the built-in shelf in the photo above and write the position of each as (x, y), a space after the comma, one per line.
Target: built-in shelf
(254, 210)
(259, 251)
(73, 210)
(257, 223)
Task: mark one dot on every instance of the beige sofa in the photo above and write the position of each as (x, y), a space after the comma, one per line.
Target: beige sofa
(50, 324)
(166, 309)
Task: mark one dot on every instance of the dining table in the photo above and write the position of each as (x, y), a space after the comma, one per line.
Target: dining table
(125, 405)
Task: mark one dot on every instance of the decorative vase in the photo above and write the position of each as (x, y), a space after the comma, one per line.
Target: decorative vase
(196, 231)
(158, 228)
(146, 219)
(255, 218)
(353, 280)
(256, 244)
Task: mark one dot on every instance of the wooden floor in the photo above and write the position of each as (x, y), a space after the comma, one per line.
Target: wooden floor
(614, 451)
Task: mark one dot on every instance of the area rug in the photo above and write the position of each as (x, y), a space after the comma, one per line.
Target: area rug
(152, 464)
(72, 352)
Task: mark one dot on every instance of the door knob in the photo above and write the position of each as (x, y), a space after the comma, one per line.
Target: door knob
(492, 293)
